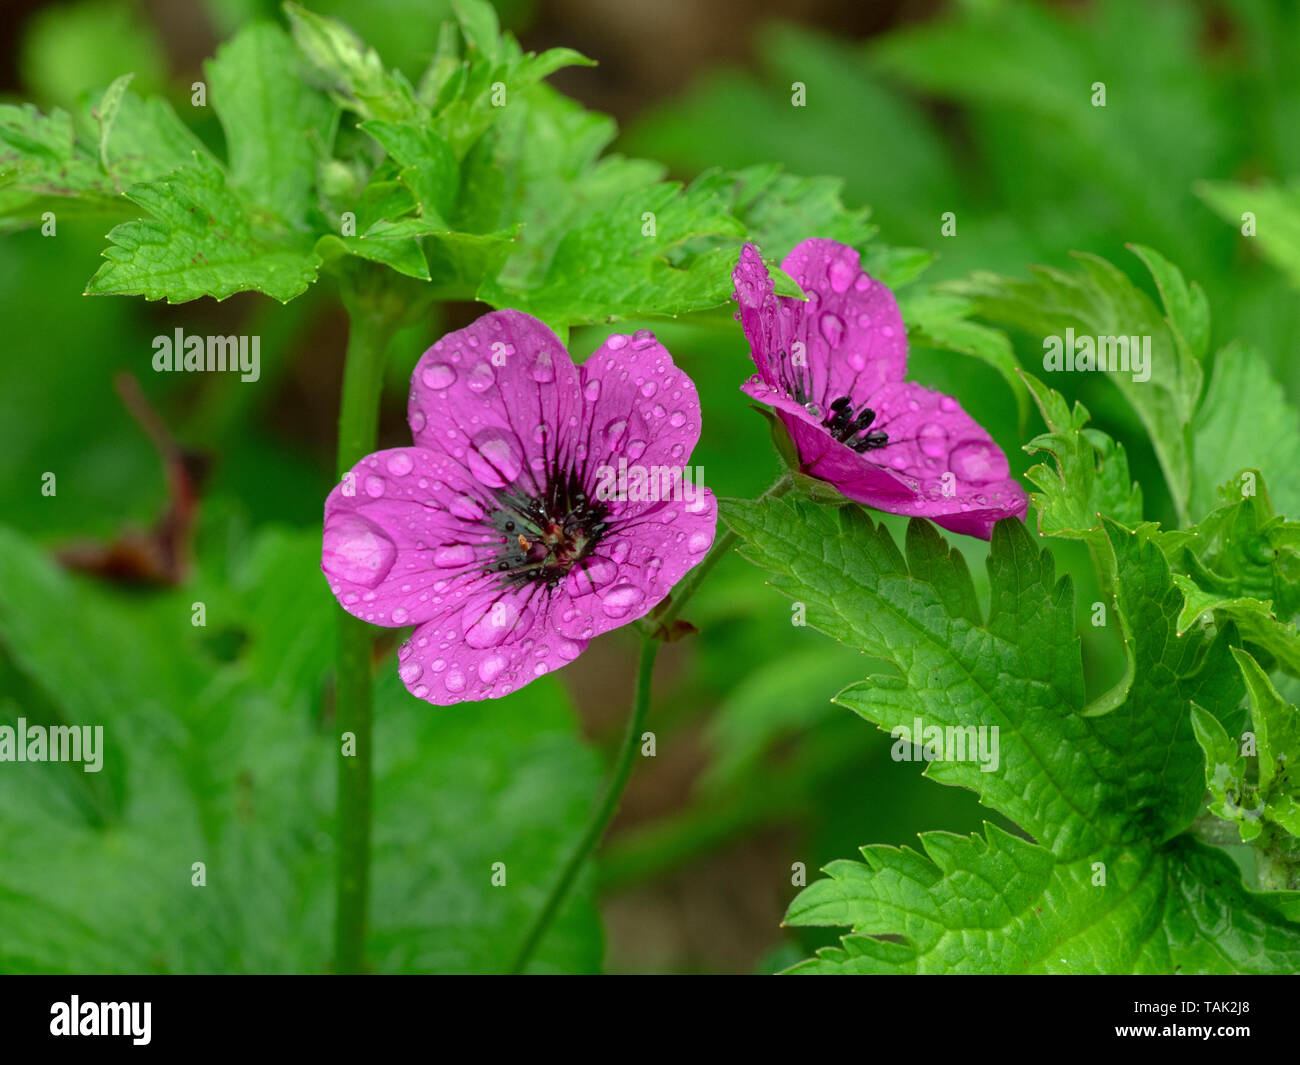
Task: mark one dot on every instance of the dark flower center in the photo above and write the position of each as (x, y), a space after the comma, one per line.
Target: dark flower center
(843, 424)
(846, 427)
(544, 537)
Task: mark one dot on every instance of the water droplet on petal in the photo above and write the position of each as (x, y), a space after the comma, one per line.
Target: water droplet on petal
(592, 390)
(399, 616)
(466, 508)
(649, 388)
(590, 576)
(489, 627)
(417, 421)
(454, 681)
(614, 432)
(400, 464)
(699, 542)
(439, 375)
(832, 326)
(948, 403)
(374, 486)
(542, 371)
(933, 439)
(841, 275)
(356, 550)
(616, 341)
(568, 650)
(978, 462)
(494, 458)
(636, 449)
(677, 419)
(491, 668)
(411, 672)
(481, 378)
(453, 556)
(619, 600)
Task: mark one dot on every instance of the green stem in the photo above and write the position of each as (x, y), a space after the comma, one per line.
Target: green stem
(604, 812)
(609, 803)
(363, 377)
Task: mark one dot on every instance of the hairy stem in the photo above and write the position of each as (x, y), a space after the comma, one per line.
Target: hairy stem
(613, 796)
(363, 376)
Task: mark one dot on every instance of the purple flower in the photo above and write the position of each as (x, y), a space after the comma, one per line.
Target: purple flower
(832, 368)
(502, 534)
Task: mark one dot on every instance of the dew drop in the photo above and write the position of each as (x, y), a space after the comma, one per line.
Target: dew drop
(490, 627)
(399, 616)
(977, 462)
(619, 600)
(616, 341)
(841, 275)
(491, 668)
(542, 370)
(592, 390)
(699, 542)
(453, 556)
(400, 464)
(614, 432)
(481, 378)
(832, 326)
(355, 549)
(466, 508)
(494, 459)
(374, 486)
(677, 419)
(454, 681)
(933, 439)
(439, 375)
(411, 672)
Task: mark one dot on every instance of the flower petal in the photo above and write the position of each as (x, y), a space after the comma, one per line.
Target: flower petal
(405, 540)
(962, 479)
(846, 339)
(641, 409)
(647, 553)
(494, 397)
(498, 643)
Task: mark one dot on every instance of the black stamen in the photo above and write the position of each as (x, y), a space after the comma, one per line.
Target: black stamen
(845, 427)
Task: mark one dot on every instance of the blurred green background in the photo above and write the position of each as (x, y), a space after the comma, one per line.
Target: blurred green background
(219, 740)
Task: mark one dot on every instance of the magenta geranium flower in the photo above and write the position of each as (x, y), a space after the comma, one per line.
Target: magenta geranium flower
(832, 368)
(507, 534)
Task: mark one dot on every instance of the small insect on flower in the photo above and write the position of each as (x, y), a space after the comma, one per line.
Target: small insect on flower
(487, 534)
(832, 368)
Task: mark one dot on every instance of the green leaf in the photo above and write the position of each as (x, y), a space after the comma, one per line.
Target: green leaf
(349, 69)
(1091, 478)
(941, 320)
(1119, 789)
(106, 113)
(231, 762)
(1271, 804)
(636, 255)
(1276, 211)
(1098, 300)
(42, 159)
(1245, 420)
(276, 126)
(202, 240)
(1242, 564)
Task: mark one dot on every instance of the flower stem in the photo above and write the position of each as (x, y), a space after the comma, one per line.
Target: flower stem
(363, 377)
(604, 812)
(613, 796)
